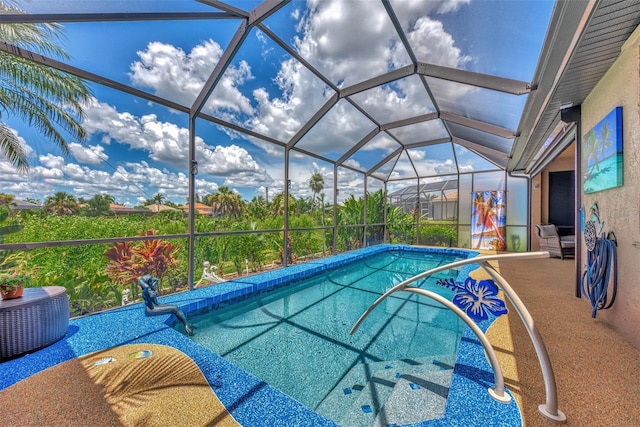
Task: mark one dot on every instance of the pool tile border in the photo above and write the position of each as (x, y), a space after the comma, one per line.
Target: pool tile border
(251, 401)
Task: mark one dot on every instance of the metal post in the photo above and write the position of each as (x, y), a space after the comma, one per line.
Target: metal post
(285, 248)
(193, 170)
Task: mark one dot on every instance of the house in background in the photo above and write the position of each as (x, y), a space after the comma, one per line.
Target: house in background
(155, 208)
(444, 206)
(200, 208)
(21, 205)
(119, 210)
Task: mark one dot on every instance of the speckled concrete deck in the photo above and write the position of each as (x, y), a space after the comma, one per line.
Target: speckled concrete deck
(593, 364)
(595, 369)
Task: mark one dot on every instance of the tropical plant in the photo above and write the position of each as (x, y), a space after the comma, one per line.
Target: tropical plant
(99, 205)
(8, 225)
(7, 199)
(47, 99)
(351, 213)
(61, 203)
(304, 204)
(14, 281)
(257, 208)
(128, 261)
(225, 203)
(438, 233)
(316, 182)
(158, 199)
(277, 204)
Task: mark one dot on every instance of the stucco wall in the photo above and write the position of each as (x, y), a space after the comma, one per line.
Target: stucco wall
(620, 207)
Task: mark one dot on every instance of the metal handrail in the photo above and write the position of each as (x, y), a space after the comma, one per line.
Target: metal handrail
(550, 408)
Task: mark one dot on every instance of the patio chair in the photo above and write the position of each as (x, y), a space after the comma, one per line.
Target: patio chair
(551, 241)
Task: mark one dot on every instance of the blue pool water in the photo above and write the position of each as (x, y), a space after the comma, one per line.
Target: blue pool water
(297, 339)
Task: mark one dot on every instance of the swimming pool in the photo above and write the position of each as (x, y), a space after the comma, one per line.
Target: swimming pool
(251, 401)
(297, 340)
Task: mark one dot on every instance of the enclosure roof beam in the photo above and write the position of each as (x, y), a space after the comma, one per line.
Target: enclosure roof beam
(313, 120)
(263, 11)
(500, 84)
(410, 121)
(226, 7)
(427, 143)
(383, 79)
(70, 69)
(39, 18)
(493, 156)
(385, 160)
(358, 146)
(240, 129)
(478, 125)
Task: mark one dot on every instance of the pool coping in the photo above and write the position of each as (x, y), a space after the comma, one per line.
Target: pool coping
(251, 401)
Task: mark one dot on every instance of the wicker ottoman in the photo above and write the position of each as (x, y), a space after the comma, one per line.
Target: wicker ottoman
(37, 319)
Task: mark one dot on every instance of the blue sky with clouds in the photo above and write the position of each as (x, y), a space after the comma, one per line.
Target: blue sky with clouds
(137, 149)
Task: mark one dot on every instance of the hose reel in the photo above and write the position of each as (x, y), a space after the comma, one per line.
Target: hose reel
(600, 278)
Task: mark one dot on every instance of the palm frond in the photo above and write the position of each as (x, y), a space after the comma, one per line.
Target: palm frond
(11, 147)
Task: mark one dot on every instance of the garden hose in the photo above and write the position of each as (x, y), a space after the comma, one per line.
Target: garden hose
(601, 270)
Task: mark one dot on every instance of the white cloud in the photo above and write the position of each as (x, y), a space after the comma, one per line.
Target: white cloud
(348, 40)
(408, 11)
(179, 76)
(92, 154)
(226, 160)
(50, 161)
(339, 38)
(168, 143)
(165, 142)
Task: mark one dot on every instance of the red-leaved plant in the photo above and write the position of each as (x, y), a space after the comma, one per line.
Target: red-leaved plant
(128, 261)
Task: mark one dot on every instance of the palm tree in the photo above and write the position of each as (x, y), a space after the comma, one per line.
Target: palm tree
(258, 207)
(99, 205)
(225, 202)
(7, 199)
(158, 199)
(48, 99)
(277, 204)
(61, 203)
(316, 182)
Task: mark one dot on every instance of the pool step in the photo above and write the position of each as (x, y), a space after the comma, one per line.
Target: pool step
(357, 400)
(415, 399)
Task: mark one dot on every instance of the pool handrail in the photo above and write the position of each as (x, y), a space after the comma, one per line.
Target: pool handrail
(497, 392)
(550, 408)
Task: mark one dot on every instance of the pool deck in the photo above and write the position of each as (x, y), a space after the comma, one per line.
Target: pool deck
(595, 367)
(248, 399)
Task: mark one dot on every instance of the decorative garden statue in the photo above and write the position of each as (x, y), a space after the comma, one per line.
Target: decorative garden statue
(149, 287)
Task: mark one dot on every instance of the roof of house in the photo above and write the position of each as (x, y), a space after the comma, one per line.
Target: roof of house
(160, 208)
(201, 208)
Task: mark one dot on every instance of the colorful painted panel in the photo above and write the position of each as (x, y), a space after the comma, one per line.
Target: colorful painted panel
(488, 220)
(602, 154)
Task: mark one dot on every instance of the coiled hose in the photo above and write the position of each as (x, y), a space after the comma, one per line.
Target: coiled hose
(601, 271)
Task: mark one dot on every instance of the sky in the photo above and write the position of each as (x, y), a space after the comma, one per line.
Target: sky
(137, 149)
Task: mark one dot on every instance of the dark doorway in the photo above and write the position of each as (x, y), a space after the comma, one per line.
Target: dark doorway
(562, 201)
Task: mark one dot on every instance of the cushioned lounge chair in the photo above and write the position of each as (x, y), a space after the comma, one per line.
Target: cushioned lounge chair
(551, 241)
